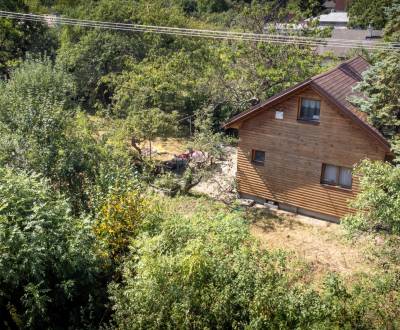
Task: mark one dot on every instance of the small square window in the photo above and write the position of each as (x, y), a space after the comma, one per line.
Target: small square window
(336, 176)
(258, 157)
(309, 110)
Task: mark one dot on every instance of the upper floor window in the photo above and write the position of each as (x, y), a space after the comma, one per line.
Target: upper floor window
(258, 157)
(309, 109)
(336, 176)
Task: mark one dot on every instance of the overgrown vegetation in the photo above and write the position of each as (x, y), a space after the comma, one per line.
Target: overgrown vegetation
(206, 271)
(378, 204)
(84, 241)
(364, 13)
(50, 274)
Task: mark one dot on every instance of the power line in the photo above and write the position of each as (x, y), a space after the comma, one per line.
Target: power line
(213, 34)
(198, 33)
(176, 31)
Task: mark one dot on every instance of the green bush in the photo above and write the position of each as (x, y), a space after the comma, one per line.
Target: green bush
(41, 129)
(204, 273)
(50, 274)
(377, 206)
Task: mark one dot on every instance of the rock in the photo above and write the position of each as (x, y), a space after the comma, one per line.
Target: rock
(260, 206)
(246, 202)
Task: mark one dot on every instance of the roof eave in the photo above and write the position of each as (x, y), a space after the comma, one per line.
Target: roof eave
(269, 102)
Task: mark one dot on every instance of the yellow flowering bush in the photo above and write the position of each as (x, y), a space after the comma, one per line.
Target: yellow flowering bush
(118, 222)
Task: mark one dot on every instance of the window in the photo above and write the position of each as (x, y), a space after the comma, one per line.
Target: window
(258, 157)
(336, 176)
(309, 110)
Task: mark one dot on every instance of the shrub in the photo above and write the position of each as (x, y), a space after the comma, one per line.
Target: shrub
(208, 273)
(42, 131)
(377, 206)
(119, 221)
(49, 273)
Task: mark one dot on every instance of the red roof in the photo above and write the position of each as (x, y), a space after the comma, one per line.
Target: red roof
(335, 85)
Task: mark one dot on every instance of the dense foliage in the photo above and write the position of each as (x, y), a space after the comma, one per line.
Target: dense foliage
(17, 38)
(42, 130)
(207, 272)
(380, 87)
(363, 13)
(392, 28)
(378, 204)
(48, 269)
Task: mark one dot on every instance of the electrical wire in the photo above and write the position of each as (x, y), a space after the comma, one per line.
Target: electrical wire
(213, 34)
(187, 32)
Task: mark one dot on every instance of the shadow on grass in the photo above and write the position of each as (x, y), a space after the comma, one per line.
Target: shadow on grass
(267, 220)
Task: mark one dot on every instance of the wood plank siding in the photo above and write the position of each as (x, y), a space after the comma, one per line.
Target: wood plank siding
(295, 152)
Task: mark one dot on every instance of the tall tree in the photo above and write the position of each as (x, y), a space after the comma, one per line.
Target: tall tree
(19, 37)
(42, 131)
(377, 206)
(148, 124)
(363, 13)
(381, 89)
(91, 54)
(392, 28)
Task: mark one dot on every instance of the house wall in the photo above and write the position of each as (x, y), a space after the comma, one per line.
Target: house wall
(294, 153)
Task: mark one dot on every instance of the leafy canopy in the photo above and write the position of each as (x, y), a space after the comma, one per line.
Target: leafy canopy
(17, 38)
(363, 13)
(381, 89)
(378, 204)
(41, 129)
(204, 270)
(48, 264)
(392, 28)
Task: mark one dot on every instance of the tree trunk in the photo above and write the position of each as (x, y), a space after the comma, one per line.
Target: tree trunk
(150, 148)
(189, 185)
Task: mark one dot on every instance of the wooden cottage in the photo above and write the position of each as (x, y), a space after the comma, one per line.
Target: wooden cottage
(298, 148)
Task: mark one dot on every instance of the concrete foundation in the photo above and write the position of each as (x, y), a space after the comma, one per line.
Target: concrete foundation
(293, 209)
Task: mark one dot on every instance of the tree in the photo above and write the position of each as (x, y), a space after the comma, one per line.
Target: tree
(378, 203)
(392, 28)
(206, 146)
(381, 87)
(149, 124)
(35, 106)
(93, 55)
(312, 8)
(17, 38)
(50, 273)
(173, 82)
(212, 6)
(42, 130)
(206, 271)
(362, 13)
(244, 74)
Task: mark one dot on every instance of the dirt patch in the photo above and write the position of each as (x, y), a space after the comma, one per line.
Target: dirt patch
(324, 247)
(165, 149)
(221, 186)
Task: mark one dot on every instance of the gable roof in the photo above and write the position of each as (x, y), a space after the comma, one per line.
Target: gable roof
(336, 86)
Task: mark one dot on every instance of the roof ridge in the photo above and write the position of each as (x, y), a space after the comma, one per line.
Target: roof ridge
(323, 74)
